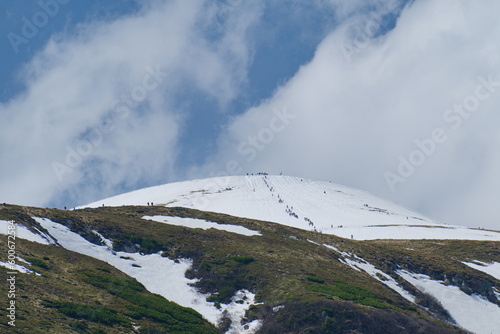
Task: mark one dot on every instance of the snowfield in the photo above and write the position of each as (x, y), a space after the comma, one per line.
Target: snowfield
(22, 232)
(471, 312)
(318, 206)
(492, 269)
(203, 224)
(158, 274)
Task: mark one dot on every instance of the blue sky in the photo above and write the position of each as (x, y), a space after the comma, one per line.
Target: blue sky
(110, 96)
(68, 14)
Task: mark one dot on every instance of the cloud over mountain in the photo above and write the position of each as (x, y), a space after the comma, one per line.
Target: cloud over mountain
(400, 99)
(409, 114)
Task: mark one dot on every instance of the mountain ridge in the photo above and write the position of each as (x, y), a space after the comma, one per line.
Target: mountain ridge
(230, 274)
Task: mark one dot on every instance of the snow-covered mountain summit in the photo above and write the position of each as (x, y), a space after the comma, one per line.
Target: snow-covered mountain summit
(236, 274)
(319, 206)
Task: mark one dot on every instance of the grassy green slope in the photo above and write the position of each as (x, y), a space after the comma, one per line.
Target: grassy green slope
(310, 290)
(78, 294)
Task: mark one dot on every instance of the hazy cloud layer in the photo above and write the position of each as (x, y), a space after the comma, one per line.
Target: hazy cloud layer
(368, 102)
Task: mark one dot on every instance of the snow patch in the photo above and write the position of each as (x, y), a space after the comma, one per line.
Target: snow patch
(236, 310)
(158, 274)
(471, 312)
(19, 268)
(22, 232)
(278, 308)
(497, 293)
(203, 224)
(105, 241)
(359, 264)
(492, 269)
(344, 254)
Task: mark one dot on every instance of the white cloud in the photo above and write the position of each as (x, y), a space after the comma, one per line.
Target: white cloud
(348, 10)
(356, 116)
(359, 105)
(79, 81)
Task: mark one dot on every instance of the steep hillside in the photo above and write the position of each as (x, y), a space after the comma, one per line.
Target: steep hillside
(240, 275)
(60, 291)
